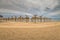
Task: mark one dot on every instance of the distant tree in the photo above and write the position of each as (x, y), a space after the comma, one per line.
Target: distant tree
(11, 18)
(5, 19)
(15, 18)
(50, 19)
(44, 19)
(1, 16)
(20, 18)
(27, 18)
(40, 18)
(34, 18)
(8, 18)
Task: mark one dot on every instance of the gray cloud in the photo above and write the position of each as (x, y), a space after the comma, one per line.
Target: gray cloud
(40, 7)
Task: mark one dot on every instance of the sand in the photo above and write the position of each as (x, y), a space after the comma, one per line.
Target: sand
(30, 31)
(28, 25)
(49, 33)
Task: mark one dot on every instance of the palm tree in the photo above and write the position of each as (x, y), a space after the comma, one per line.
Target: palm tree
(20, 18)
(50, 19)
(34, 18)
(1, 18)
(37, 19)
(44, 19)
(15, 18)
(40, 18)
(8, 18)
(27, 18)
(11, 19)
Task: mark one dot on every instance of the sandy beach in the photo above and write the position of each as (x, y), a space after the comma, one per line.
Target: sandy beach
(30, 31)
(28, 25)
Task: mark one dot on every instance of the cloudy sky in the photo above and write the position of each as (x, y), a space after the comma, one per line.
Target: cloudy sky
(48, 8)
